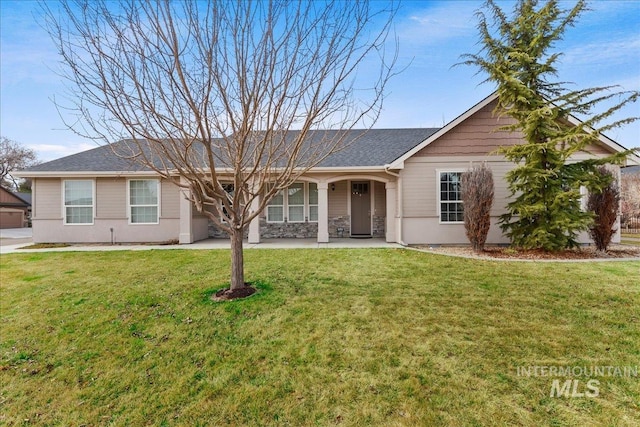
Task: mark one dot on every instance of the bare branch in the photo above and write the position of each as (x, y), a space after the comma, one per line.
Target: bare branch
(207, 92)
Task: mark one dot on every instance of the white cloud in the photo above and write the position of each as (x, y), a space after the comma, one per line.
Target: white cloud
(446, 21)
(607, 52)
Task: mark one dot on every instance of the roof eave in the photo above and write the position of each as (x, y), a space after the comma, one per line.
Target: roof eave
(632, 160)
(79, 174)
(101, 174)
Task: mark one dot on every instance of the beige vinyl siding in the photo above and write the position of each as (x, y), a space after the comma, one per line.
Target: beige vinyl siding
(480, 135)
(338, 199)
(418, 189)
(477, 135)
(48, 202)
(111, 198)
(170, 199)
(420, 186)
(379, 191)
(598, 150)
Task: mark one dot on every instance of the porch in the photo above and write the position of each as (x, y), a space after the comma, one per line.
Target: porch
(321, 207)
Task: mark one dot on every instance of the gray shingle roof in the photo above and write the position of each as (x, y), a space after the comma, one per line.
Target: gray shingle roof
(376, 147)
(100, 159)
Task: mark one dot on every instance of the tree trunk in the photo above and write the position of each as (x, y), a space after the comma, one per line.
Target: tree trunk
(237, 259)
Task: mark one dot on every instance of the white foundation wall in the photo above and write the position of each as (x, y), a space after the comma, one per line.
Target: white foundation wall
(54, 231)
(428, 231)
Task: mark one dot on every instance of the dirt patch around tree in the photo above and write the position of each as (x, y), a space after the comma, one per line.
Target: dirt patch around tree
(500, 252)
(232, 294)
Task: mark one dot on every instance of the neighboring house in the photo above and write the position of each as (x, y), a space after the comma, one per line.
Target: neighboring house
(399, 184)
(14, 209)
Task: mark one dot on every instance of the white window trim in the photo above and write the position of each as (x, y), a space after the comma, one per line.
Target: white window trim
(93, 203)
(159, 187)
(439, 203)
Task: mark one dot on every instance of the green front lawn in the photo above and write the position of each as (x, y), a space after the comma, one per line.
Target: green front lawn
(335, 337)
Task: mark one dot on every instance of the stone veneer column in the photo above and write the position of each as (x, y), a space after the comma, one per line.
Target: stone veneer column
(186, 229)
(323, 212)
(390, 235)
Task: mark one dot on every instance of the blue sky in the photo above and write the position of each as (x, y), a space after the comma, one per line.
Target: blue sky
(603, 49)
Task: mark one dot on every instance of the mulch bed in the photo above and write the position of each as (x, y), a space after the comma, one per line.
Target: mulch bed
(589, 252)
(231, 294)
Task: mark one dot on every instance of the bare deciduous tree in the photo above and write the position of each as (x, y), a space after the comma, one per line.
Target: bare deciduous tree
(605, 206)
(13, 157)
(477, 198)
(206, 92)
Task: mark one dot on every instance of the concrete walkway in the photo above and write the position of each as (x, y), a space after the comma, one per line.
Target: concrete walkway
(10, 246)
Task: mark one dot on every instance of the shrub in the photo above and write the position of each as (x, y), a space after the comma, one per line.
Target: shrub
(477, 199)
(605, 206)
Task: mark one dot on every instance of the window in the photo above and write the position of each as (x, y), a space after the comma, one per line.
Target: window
(143, 201)
(299, 201)
(295, 202)
(451, 209)
(275, 208)
(313, 202)
(78, 202)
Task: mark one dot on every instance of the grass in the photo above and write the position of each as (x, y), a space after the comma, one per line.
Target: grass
(335, 337)
(46, 246)
(630, 239)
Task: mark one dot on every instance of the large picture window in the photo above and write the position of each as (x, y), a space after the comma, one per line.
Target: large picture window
(78, 202)
(299, 202)
(451, 209)
(143, 201)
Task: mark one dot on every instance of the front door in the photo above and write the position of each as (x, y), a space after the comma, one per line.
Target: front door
(360, 209)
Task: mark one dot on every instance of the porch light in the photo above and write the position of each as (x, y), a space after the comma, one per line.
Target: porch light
(333, 186)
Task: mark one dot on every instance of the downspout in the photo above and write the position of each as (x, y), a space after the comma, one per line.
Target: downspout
(399, 207)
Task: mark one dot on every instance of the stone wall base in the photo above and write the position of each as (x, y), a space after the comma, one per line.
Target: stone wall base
(339, 226)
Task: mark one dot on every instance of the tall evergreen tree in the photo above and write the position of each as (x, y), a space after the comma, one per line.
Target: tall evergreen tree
(518, 54)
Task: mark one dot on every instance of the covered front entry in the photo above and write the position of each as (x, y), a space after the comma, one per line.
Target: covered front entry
(358, 205)
(360, 209)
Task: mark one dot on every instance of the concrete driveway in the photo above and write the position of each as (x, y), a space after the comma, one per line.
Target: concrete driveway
(15, 233)
(14, 238)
